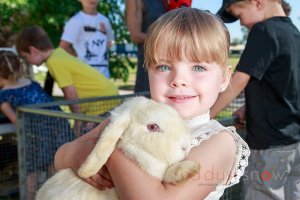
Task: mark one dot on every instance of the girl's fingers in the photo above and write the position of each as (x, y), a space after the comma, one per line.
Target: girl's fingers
(102, 181)
(91, 182)
(99, 182)
(104, 172)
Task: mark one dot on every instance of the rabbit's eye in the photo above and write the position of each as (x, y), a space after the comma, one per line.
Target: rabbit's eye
(153, 127)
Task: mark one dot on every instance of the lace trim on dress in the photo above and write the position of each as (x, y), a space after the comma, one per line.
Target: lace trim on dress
(242, 151)
(199, 120)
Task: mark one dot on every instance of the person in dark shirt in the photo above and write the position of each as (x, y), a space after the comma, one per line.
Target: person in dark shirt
(140, 14)
(269, 71)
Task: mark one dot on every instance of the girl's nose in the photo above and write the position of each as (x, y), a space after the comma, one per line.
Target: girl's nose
(178, 81)
(178, 84)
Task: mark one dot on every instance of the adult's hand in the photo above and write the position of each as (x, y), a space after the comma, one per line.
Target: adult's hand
(240, 113)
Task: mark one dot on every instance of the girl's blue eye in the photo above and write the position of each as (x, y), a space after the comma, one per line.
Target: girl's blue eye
(164, 68)
(198, 68)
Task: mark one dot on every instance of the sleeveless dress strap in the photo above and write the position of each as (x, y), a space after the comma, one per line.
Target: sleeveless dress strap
(213, 127)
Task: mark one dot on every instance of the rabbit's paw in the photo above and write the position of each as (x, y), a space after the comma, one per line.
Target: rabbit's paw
(182, 171)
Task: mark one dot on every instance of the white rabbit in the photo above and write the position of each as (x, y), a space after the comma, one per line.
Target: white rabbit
(151, 134)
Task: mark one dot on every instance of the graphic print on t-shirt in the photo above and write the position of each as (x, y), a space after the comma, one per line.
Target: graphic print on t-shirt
(95, 46)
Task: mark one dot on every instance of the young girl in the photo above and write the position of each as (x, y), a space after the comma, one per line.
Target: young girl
(17, 91)
(186, 52)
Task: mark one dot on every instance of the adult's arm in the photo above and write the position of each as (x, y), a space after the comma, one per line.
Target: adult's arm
(238, 83)
(133, 183)
(134, 18)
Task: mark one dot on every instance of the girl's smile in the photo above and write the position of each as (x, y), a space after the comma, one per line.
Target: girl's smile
(181, 98)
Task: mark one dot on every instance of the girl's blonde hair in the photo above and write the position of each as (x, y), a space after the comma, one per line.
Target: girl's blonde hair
(11, 67)
(190, 33)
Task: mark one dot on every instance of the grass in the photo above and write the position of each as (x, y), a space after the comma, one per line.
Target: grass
(233, 61)
(40, 76)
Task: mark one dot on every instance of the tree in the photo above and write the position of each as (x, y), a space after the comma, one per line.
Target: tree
(245, 32)
(11, 18)
(235, 41)
(52, 14)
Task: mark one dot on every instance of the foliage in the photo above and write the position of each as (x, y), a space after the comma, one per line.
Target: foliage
(235, 41)
(12, 16)
(118, 63)
(52, 14)
(245, 32)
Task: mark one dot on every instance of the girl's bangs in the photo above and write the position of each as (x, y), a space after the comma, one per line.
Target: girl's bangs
(197, 39)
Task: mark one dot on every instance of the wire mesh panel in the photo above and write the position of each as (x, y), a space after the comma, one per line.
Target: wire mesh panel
(234, 105)
(41, 136)
(8, 164)
(42, 129)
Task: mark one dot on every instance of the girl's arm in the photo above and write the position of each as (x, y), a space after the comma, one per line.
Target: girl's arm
(9, 112)
(72, 154)
(216, 165)
(134, 18)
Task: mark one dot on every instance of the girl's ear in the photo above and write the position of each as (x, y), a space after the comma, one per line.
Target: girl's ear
(226, 78)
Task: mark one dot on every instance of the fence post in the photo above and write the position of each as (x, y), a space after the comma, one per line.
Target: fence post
(21, 156)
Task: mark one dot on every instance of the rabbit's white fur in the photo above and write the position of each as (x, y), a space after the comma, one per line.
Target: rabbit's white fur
(155, 151)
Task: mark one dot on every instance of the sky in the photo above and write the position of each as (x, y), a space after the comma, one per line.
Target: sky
(235, 28)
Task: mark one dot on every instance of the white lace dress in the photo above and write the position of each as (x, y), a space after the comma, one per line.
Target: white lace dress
(202, 129)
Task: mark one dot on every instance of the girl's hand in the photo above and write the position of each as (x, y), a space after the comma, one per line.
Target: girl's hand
(101, 180)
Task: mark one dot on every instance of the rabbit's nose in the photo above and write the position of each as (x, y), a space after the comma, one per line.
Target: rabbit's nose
(185, 148)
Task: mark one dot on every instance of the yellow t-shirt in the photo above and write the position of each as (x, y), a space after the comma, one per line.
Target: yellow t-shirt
(68, 70)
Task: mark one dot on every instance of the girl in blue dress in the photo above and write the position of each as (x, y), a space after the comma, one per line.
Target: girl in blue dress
(41, 139)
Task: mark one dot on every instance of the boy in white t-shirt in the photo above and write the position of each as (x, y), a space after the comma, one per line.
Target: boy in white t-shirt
(88, 35)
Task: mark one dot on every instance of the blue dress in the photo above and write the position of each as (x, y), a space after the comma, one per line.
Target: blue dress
(43, 134)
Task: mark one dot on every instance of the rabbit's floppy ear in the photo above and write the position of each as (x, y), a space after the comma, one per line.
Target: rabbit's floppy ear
(107, 142)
